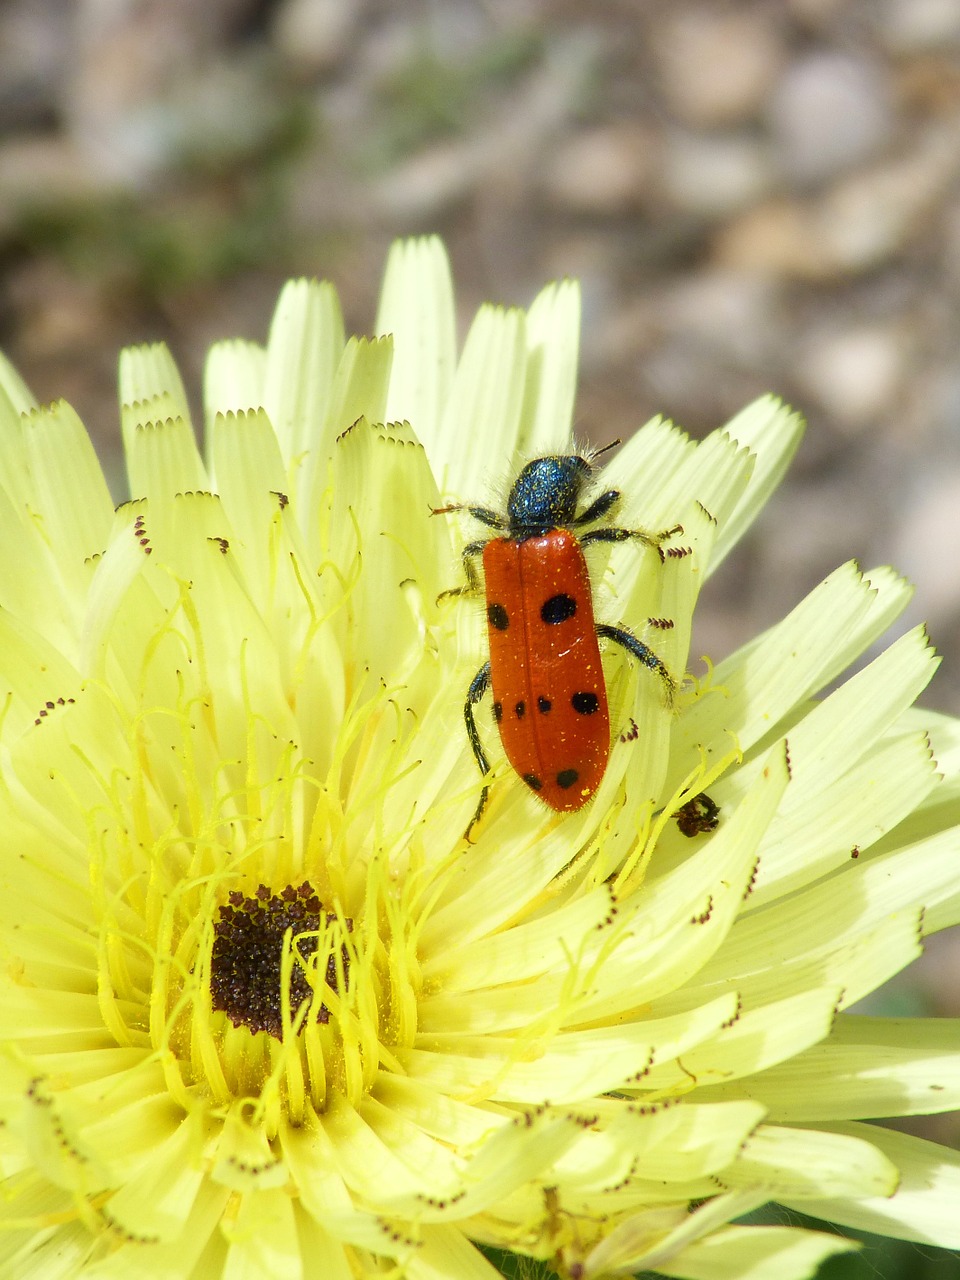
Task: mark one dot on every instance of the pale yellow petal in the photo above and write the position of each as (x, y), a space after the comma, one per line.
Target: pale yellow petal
(553, 345)
(753, 693)
(772, 433)
(417, 309)
(483, 414)
(163, 459)
(756, 1253)
(72, 501)
(924, 1205)
(234, 378)
(754, 1041)
(156, 1203)
(15, 396)
(866, 1068)
(801, 1162)
(304, 349)
(446, 1255)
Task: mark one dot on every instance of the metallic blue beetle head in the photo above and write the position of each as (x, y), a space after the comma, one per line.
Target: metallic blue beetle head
(546, 494)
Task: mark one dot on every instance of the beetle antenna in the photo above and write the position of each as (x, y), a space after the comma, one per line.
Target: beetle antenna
(607, 447)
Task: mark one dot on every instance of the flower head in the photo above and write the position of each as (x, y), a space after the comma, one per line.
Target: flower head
(269, 1010)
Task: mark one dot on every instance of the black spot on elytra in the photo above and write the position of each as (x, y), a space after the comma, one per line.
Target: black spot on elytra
(566, 778)
(544, 705)
(497, 616)
(521, 710)
(585, 703)
(498, 711)
(558, 608)
(532, 781)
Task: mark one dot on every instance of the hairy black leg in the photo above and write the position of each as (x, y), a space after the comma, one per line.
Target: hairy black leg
(599, 507)
(640, 651)
(622, 535)
(478, 687)
(468, 556)
(483, 514)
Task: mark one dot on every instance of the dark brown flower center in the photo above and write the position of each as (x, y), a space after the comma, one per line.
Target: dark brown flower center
(245, 969)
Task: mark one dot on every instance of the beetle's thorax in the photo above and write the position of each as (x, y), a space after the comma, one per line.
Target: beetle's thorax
(546, 494)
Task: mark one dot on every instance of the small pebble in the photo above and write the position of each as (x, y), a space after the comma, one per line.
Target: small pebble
(715, 175)
(314, 35)
(829, 112)
(912, 26)
(717, 65)
(855, 373)
(605, 170)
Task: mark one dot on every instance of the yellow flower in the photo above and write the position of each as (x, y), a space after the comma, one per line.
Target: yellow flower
(267, 1012)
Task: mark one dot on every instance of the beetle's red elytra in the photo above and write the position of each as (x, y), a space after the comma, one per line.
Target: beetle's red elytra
(549, 697)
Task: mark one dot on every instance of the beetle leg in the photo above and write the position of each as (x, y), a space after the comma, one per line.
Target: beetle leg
(599, 507)
(621, 535)
(483, 514)
(467, 555)
(478, 687)
(641, 652)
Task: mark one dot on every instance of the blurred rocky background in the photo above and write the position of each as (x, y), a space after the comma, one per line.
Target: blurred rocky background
(755, 195)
